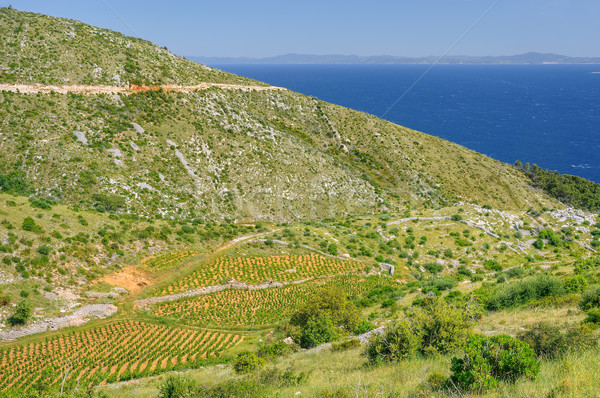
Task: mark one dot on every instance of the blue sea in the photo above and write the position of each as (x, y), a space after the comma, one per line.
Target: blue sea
(544, 114)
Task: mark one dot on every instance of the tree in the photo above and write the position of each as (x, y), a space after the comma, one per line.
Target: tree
(324, 317)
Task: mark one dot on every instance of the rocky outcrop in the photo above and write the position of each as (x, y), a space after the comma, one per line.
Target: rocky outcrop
(77, 318)
(232, 284)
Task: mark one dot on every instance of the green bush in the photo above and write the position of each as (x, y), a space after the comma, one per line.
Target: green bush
(436, 327)
(400, 339)
(438, 284)
(345, 345)
(325, 317)
(433, 268)
(363, 327)
(583, 266)
(247, 362)
(318, 330)
(110, 203)
(22, 313)
(590, 298)
(44, 250)
(176, 387)
(576, 284)
(491, 360)
(522, 292)
(444, 327)
(593, 316)
(551, 341)
(30, 225)
(273, 350)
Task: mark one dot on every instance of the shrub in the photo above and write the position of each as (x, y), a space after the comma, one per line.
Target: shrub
(521, 292)
(274, 350)
(435, 381)
(593, 316)
(345, 345)
(247, 362)
(110, 203)
(576, 284)
(463, 270)
(363, 327)
(434, 328)
(44, 250)
(443, 327)
(491, 360)
(30, 225)
(176, 387)
(400, 339)
(318, 330)
(320, 318)
(590, 298)
(434, 268)
(439, 284)
(551, 341)
(22, 313)
(582, 266)
(538, 244)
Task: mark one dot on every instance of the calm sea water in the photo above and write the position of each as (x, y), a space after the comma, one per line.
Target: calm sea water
(544, 114)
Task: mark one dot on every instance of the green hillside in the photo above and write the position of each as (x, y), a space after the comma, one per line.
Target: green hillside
(245, 226)
(271, 155)
(40, 49)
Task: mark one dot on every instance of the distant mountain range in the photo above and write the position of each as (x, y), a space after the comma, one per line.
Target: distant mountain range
(527, 58)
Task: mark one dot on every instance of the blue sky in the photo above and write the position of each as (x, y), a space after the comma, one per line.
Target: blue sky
(404, 28)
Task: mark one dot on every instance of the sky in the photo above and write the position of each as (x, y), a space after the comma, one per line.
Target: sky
(261, 28)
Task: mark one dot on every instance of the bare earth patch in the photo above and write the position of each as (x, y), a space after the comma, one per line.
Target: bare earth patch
(130, 278)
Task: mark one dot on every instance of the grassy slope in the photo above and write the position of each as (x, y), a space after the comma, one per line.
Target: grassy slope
(41, 49)
(251, 155)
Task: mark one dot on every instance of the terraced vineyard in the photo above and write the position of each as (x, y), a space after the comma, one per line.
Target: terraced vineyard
(259, 307)
(262, 269)
(168, 261)
(109, 353)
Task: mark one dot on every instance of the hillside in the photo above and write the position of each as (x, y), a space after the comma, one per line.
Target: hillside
(41, 49)
(271, 155)
(151, 230)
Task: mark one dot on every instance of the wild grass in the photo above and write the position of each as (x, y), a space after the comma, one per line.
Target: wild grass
(574, 375)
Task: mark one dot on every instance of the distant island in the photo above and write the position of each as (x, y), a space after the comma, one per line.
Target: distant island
(527, 58)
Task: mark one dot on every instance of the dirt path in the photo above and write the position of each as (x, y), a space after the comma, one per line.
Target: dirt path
(83, 89)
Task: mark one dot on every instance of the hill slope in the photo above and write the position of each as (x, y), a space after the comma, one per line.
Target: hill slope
(215, 153)
(41, 49)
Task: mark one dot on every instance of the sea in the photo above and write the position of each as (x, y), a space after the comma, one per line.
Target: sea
(543, 114)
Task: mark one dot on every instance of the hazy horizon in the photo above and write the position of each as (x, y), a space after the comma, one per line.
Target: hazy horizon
(267, 28)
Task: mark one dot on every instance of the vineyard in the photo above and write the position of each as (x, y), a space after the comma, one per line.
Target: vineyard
(167, 261)
(114, 352)
(259, 307)
(263, 269)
